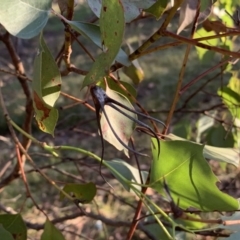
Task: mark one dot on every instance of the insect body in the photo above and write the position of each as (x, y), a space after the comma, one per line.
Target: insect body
(101, 99)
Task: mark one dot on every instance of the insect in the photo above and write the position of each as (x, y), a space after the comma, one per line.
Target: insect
(101, 99)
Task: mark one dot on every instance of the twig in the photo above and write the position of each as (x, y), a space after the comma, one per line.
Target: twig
(158, 34)
(198, 90)
(27, 125)
(202, 45)
(25, 181)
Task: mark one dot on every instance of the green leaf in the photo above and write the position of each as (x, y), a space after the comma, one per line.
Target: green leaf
(227, 155)
(217, 136)
(5, 234)
(46, 88)
(112, 30)
(14, 224)
(92, 32)
(188, 176)
(116, 87)
(234, 82)
(206, 56)
(25, 18)
(127, 171)
(158, 8)
(83, 192)
(231, 99)
(122, 125)
(50, 232)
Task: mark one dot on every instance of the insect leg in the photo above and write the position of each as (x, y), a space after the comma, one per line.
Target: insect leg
(134, 111)
(136, 121)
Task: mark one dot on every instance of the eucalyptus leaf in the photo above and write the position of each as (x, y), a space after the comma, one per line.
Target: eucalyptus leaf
(50, 232)
(122, 125)
(189, 178)
(93, 33)
(46, 88)
(188, 12)
(25, 18)
(5, 234)
(217, 136)
(129, 172)
(14, 224)
(84, 192)
(228, 155)
(112, 30)
(205, 55)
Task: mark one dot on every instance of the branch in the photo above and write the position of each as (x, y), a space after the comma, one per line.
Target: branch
(27, 125)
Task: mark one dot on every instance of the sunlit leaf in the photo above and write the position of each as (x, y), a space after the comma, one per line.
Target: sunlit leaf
(14, 224)
(92, 32)
(231, 99)
(205, 55)
(5, 234)
(84, 193)
(188, 12)
(234, 82)
(46, 88)
(134, 72)
(129, 172)
(51, 232)
(227, 155)
(112, 30)
(122, 125)
(25, 18)
(189, 178)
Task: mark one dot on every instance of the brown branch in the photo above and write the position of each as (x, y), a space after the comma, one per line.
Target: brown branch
(198, 90)
(158, 34)
(181, 75)
(27, 125)
(202, 45)
(28, 192)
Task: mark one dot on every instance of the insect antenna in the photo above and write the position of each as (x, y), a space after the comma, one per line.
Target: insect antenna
(134, 111)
